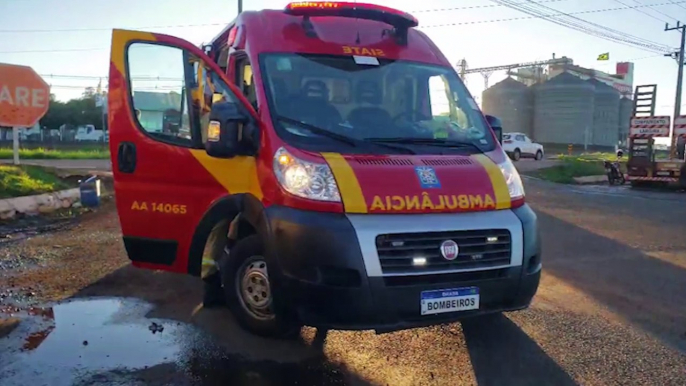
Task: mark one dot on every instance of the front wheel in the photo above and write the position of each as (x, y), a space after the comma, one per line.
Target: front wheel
(539, 155)
(516, 155)
(249, 291)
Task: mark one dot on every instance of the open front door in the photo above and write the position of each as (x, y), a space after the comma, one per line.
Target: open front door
(161, 90)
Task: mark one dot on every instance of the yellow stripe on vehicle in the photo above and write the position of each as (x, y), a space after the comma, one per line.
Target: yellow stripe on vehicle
(236, 175)
(120, 38)
(502, 194)
(349, 187)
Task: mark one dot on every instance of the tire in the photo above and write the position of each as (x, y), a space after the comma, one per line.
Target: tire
(516, 155)
(271, 320)
(539, 155)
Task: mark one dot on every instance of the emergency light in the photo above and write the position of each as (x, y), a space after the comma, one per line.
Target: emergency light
(401, 21)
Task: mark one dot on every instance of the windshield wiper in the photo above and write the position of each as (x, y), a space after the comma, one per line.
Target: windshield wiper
(425, 141)
(318, 130)
(340, 137)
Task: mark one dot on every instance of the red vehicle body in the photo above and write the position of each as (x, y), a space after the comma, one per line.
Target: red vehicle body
(361, 227)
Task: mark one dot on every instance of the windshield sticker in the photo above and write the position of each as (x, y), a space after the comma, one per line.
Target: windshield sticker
(284, 64)
(363, 51)
(427, 177)
(472, 104)
(366, 60)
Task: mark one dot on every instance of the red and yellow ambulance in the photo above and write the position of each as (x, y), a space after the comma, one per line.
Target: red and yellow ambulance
(367, 188)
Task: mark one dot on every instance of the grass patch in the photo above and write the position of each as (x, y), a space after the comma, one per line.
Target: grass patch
(25, 180)
(574, 166)
(41, 153)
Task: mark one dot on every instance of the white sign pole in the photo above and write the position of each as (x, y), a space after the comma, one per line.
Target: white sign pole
(15, 144)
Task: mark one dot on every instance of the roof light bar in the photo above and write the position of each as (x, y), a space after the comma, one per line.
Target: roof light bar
(401, 21)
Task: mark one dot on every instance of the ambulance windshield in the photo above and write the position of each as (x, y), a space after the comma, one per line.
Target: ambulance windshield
(372, 99)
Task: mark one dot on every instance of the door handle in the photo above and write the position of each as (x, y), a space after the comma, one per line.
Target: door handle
(126, 157)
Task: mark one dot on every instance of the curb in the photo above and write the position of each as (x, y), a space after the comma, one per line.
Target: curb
(592, 180)
(39, 203)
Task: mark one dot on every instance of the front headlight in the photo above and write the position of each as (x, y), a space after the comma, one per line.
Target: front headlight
(305, 179)
(512, 178)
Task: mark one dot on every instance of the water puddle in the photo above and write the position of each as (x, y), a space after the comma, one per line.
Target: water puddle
(110, 341)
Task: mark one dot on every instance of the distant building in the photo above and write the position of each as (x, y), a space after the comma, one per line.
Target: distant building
(158, 111)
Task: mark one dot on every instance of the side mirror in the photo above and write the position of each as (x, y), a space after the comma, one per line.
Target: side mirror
(230, 132)
(496, 126)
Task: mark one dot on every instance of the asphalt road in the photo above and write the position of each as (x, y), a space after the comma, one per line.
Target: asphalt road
(611, 310)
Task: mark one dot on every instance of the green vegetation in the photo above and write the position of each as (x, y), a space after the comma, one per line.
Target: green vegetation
(16, 181)
(40, 153)
(590, 164)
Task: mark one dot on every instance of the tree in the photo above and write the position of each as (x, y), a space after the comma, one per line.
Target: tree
(81, 111)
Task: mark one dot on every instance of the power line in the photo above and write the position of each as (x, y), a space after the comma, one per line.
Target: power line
(642, 11)
(658, 11)
(582, 25)
(671, 2)
(104, 77)
(225, 23)
(623, 38)
(678, 5)
(600, 27)
(427, 26)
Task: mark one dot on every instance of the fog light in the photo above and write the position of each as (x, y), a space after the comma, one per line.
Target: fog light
(492, 239)
(417, 261)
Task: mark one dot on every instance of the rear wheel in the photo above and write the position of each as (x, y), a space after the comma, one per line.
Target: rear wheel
(539, 155)
(249, 291)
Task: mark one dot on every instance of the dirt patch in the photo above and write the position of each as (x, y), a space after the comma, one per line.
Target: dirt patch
(55, 266)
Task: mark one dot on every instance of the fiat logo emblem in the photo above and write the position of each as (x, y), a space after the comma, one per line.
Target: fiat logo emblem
(449, 250)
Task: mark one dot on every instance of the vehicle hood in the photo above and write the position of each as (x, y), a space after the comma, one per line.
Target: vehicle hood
(418, 184)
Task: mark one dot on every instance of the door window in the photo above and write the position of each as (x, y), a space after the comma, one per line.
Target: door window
(210, 89)
(244, 78)
(173, 93)
(159, 92)
(519, 138)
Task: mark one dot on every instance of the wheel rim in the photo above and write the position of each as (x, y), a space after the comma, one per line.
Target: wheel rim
(253, 290)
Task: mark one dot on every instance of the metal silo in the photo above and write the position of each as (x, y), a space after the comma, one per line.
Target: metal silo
(605, 115)
(626, 109)
(563, 110)
(512, 102)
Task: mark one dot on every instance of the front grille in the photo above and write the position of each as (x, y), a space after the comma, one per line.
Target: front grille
(482, 248)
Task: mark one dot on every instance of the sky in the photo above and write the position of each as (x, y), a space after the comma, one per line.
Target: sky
(67, 41)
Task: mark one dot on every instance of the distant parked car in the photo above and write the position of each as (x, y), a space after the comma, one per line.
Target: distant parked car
(518, 145)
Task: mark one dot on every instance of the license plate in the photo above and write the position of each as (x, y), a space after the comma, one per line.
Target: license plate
(449, 300)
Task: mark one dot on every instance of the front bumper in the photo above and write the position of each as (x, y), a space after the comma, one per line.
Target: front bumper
(328, 273)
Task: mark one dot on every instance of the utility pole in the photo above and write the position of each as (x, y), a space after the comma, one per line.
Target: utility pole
(679, 81)
(240, 6)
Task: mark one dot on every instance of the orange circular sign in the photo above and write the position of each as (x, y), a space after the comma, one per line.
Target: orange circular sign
(24, 96)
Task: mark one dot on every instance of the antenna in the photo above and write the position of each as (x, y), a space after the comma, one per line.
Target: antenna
(357, 26)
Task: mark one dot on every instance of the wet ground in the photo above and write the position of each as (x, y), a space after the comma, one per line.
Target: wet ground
(611, 310)
(110, 341)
